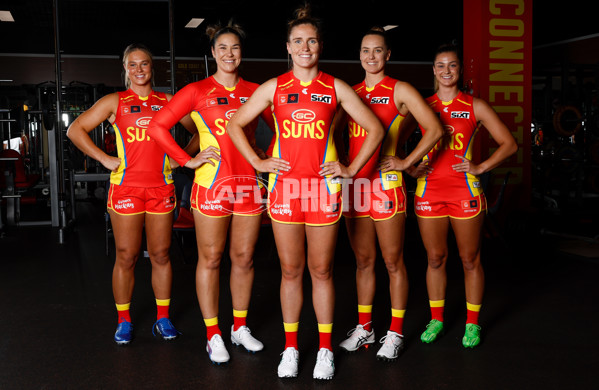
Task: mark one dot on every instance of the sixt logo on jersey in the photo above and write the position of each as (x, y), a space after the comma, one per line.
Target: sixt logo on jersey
(316, 97)
(243, 99)
(460, 115)
(156, 108)
(379, 100)
(290, 98)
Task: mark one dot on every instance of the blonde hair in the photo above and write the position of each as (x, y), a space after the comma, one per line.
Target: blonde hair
(130, 49)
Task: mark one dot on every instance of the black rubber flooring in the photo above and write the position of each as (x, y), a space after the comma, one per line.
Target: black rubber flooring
(540, 319)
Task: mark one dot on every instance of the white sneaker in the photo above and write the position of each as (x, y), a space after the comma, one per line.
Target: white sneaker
(325, 366)
(358, 337)
(289, 363)
(242, 336)
(392, 346)
(216, 350)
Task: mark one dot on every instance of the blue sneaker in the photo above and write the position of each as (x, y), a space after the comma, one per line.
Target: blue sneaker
(165, 329)
(124, 333)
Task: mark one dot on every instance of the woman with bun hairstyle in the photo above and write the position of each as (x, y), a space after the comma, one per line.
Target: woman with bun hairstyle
(142, 194)
(449, 194)
(377, 196)
(227, 194)
(304, 185)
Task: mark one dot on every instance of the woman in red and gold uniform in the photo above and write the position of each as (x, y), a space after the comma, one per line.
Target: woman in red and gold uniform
(449, 193)
(304, 186)
(227, 194)
(141, 191)
(377, 196)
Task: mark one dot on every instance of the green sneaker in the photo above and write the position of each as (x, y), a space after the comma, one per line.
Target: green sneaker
(433, 329)
(472, 336)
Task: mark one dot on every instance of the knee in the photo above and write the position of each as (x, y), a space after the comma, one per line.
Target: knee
(321, 272)
(470, 262)
(159, 257)
(126, 258)
(242, 259)
(364, 262)
(437, 260)
(291, 272)
(210, 259)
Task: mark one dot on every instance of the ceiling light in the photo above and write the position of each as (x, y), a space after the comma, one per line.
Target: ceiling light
(6, 16)
(389, 27)
(194, 22)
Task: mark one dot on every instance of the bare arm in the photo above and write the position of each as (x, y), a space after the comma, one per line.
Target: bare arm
(363, 116)
(79, 130)
(485, 114)
(260, 100)
(410, 102)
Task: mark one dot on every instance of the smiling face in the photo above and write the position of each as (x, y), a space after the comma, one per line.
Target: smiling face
(447, 69)
(304, 46)
(374, 53)
(138, 67)
(227, 52)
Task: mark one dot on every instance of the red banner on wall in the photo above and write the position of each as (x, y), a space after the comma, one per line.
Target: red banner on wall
(498, 69)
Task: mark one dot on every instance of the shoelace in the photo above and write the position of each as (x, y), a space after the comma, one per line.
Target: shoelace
(389, 340)
(353, 330)
(290, 356)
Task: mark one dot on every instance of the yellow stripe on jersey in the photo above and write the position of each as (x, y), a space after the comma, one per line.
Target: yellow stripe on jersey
(206, 174)
(326, 85)
(117, 177)
(463, 102)
(276, 152)
(331, 155)
(391, 179)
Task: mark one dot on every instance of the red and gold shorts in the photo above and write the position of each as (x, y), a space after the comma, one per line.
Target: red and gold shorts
(319, 210)
(224, 201)
(378, 205)
(460, 209)
(136, 200)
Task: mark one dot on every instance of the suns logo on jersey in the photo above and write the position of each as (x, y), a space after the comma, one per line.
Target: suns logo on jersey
(379, 100)
(316, 97)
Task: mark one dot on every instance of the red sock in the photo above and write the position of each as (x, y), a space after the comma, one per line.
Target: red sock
(324, 333)
(291, 334)
(472, 312)
(239, 318)
(437, 308)
(397, 321)
(162, 306)
(123, 312)
(211, 327)
(365, 316)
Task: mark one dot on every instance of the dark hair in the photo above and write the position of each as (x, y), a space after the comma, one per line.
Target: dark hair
(130, 49)
(303, 16)
(215, 31)
(377, 30)
(451, 47)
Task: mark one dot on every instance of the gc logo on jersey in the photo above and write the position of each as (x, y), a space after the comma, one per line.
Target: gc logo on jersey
(460, 115)
(316, 97)
(379, 100)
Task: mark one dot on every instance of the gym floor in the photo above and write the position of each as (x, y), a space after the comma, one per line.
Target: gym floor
(539, 317)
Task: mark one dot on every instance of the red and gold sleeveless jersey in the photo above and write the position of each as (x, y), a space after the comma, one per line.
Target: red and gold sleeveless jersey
(211, 106)
(303, 114)
(143, 162)
(460, 127)
(380, 100)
